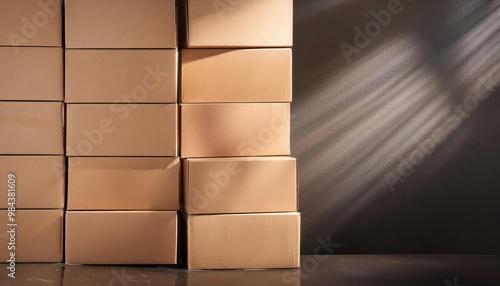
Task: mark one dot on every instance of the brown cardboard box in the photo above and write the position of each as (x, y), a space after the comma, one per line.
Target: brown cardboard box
(38, 235)
(240, 185)
(31, 73)
(121, 24)
(227, 23)
(121, 130)
(247, 75)
(40, 181)
(123, 183)
(121, 237)
(243, 241)
(240, 129)
(35, 23)
(31, 128)
(126, 76)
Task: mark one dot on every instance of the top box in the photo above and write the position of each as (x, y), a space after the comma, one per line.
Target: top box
(238, 23)
(120, 24)
(30, 23)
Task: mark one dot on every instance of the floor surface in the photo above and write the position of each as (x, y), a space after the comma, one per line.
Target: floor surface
(339, 270)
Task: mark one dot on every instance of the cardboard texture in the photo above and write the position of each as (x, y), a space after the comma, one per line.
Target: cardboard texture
(38, 235)
(100, 237)
(120, 24)
(240, 185)
(31, 128)
(123, 183)
(121, 130)
(35, 23)
(31, 73)
(225, 23)
(39, 179)
(246, 75)
(243, 241)
(233, 130)
(126, 76)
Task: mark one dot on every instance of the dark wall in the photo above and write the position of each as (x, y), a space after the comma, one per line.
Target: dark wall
(399, 142)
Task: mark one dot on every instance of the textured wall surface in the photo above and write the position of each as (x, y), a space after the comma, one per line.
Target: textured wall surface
(396, 125)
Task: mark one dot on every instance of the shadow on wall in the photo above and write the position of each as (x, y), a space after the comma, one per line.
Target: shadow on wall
(395, 125)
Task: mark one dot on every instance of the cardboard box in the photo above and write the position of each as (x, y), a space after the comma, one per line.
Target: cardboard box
(121, 237)
(121, 130)
(240, 185)
(126, 76)
(243, 241)
(38, 235)
(125, 183)
(226, 23)
(121, 24)
(34, 128)
(233, 130)
(39, 181)
(247, 75)
(36, 23)
(31, 73)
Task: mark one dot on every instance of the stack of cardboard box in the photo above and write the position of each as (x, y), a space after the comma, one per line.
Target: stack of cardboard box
(31, 132)
(122, 128)
(239, 185)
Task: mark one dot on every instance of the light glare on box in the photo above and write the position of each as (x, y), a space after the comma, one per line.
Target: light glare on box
(240, 185)
(227, 23)
(222, 75)
(235, 130)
